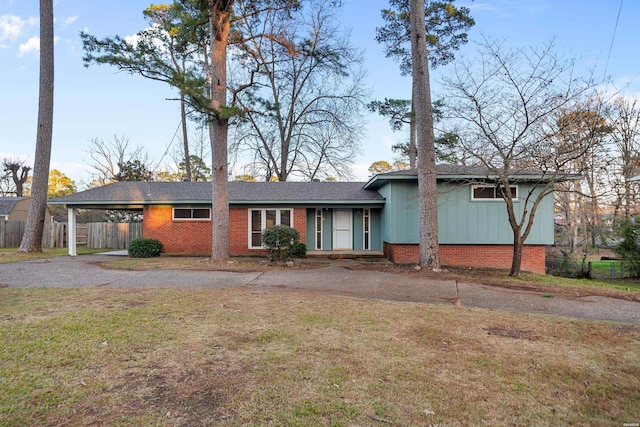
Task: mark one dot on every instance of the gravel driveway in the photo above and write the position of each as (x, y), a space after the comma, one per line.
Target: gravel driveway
(83, 272)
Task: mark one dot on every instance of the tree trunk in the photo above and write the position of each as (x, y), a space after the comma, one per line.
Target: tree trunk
(516, 262)
(218, 129)
(412, 137)
(627, 198)
(427, 193)
(32, 238)
(185, 138)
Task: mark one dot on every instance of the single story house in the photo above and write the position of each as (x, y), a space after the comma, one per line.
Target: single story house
(377, 217)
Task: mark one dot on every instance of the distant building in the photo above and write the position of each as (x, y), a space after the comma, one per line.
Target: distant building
(15, 209)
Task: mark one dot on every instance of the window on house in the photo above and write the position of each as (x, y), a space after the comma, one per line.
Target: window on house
(491, 192)
(367, 234)
(191, 213)
(261, 219)
(319, 229)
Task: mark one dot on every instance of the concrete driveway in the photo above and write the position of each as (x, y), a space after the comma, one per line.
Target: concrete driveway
(336, 279)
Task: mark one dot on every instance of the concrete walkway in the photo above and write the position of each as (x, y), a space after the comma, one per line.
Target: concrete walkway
(336, 279)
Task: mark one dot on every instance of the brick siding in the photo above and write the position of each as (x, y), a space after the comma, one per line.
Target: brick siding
(494, 256)
(188, 237)
(193, 237)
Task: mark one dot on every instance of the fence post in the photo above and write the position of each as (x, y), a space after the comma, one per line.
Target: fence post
(612, 268)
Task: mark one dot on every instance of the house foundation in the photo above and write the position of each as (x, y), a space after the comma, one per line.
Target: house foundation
(477, 256)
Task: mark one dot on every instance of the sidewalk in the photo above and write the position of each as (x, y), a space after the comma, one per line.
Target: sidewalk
(83, 272)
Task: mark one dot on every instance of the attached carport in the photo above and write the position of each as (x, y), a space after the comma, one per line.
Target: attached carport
(108, 197)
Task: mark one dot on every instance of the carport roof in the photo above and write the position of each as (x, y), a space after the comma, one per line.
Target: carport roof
(135, 195)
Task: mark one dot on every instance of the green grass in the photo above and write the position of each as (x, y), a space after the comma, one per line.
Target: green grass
(240, 357)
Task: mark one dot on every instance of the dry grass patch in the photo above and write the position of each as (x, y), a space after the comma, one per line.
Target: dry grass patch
(241, 357)
(244, 265)
(8, 255)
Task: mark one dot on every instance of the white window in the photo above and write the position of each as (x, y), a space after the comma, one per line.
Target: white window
(261, 219)
(366, 218)
(319, 221)
(186, 214)
(491, 192)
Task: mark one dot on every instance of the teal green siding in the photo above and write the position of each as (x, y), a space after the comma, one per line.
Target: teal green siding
(399, 218)
(460, 220)
(375, 229)
(358, 230)
(311, 229)
(327, 229)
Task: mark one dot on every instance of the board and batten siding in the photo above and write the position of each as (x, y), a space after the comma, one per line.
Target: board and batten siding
(461, 220)
(399, 218)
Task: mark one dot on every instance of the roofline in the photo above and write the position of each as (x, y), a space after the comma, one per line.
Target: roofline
(136, 204)
(380, 179)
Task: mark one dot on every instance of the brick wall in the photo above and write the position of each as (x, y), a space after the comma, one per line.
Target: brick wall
(402, 253)
(495, 256)
(193, 237)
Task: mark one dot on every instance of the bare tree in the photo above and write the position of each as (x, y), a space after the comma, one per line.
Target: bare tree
(18, 172)
(303, 112)
(624, 116)
(504, 104)
(34, 227)
(107, 156)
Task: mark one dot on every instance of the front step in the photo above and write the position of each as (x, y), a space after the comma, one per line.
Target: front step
(345, 254)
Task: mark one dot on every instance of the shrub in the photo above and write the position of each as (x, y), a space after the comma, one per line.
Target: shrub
(279, 241)
(144, 248)
(299, 250)
(629, 247)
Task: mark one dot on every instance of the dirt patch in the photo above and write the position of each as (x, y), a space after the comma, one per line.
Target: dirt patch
(510, 333)
(235, 265)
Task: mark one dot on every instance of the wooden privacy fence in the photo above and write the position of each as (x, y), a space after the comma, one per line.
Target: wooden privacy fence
(108, 235)
(95, 235)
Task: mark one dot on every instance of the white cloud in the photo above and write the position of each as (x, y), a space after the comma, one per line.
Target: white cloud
(132, 39)
(70, 20)
(31, 45)
(10, 27)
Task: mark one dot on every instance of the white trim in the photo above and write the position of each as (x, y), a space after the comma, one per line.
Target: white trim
(71, 231)
(263, 222)
(496, 198)
(173, 214)
(366, 213)
(318, 214)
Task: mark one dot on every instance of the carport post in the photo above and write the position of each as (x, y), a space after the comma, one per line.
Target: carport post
(71, 232)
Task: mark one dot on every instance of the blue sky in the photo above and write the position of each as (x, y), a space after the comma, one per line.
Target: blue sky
(99, 102)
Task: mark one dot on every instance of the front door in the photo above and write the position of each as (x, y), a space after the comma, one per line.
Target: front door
(342, 234)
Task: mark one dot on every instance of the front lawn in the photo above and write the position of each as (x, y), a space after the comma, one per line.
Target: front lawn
(12, 255)
(231, 357)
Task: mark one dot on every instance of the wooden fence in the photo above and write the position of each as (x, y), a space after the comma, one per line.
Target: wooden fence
(95, 235)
